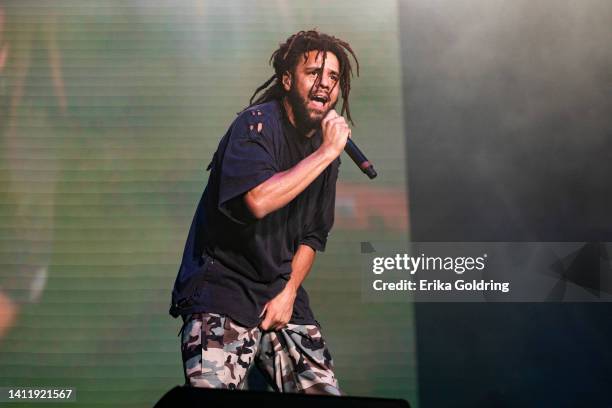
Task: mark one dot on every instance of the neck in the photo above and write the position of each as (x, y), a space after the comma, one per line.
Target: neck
(291, 117)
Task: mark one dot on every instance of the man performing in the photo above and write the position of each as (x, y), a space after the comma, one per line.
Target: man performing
(267, 208)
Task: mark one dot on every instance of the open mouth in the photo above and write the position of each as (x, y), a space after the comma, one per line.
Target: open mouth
(319, 100)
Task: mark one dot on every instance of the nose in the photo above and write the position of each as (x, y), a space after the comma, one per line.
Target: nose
(324, 82)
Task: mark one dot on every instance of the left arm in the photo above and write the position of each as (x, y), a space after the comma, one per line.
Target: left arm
(278, 311)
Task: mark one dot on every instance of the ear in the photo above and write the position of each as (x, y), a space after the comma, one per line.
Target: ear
(287, 78)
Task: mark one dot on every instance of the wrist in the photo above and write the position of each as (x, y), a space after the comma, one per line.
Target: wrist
(292, 287)
(329, 153)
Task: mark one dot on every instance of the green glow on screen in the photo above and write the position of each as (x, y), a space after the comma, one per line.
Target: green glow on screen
(111, 111)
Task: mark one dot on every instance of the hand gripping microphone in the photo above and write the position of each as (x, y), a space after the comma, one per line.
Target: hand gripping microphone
(359, 158)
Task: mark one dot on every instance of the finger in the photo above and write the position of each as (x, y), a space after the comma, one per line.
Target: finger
(265, 325)
(273, 324)
(281, 325)
(277, 325)
(333, 115)
(330, 115)
(340, 120)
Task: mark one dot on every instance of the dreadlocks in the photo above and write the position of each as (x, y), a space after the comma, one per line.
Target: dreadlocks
(285, 58)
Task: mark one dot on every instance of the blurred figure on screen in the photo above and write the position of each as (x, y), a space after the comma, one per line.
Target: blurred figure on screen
(267, 209)
(29, 178)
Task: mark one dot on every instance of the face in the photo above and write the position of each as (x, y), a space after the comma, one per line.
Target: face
(312, 90)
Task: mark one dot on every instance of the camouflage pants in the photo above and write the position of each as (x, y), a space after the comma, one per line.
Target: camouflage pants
(217, 353)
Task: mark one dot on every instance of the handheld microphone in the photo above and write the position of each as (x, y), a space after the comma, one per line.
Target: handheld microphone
(359, 158)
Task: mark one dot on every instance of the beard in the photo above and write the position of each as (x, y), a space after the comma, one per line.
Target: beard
(305, 118)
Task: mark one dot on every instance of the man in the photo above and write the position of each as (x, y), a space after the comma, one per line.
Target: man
(267, 208)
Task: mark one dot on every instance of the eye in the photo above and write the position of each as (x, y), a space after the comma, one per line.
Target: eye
(334, 78)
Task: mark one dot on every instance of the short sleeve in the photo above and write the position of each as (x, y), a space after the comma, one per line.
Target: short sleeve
(317, 231)
(247, 162)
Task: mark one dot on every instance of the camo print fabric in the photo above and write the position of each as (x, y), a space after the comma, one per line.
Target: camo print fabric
(217, 353)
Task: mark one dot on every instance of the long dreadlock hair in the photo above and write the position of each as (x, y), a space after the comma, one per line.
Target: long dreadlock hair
(285, 58)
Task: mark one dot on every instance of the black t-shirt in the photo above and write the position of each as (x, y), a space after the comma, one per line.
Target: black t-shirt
(233, 264)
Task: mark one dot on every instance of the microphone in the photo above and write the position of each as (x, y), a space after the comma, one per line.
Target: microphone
(359, 158)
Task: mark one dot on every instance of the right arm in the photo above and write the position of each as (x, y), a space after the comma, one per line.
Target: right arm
(281, 188)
